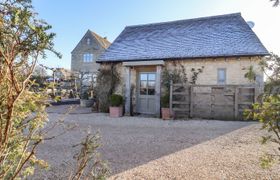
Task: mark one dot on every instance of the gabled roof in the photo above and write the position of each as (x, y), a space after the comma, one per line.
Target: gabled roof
(215, 36)
(103, 42)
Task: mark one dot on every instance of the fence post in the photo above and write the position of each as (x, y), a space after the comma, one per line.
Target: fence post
(236, 103)
(191, 101)
(256, 93)
(170, 97)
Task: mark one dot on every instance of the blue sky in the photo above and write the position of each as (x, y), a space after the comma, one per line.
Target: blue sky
(72, 18)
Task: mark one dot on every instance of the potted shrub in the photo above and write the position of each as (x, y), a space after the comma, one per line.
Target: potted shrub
(165, 110)
(85, 101)
(116, 105)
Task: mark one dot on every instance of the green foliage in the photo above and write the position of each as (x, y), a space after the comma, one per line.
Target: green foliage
(267, 110)
(165, 100)
(268, 113)
(88, 155)
(106, 83)
(177, 74)
(39, 82)
(195, 73)
(250, 75)
(71, 95)
(266, 161)
(271, 68)
(23, 39)
(85, 95)
(39, 77)
(116, 100)
(57, 99)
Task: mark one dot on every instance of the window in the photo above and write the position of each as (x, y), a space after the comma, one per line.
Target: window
(147, 83)
(88, 41)
(88, 57)
(222, 76)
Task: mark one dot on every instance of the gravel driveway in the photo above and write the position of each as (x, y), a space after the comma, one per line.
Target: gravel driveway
(235, 155)
(127, 142)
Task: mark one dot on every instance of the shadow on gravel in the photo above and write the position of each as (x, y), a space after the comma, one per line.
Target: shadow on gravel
(128, 142)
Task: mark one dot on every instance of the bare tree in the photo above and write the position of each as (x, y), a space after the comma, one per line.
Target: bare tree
(275, 2)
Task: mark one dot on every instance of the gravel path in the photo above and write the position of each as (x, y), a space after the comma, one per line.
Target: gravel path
(128, 142)
(232, 156)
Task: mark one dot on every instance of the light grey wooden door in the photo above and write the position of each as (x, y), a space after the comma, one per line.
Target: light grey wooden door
(146, 93)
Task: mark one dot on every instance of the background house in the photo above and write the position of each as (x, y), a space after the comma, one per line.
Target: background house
(87, 51)
(83, 59)
(63, 74)
(224, 45)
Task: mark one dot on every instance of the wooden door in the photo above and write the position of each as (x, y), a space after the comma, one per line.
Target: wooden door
(146, 93)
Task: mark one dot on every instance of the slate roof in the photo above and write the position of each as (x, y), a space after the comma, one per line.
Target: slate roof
(216, 36)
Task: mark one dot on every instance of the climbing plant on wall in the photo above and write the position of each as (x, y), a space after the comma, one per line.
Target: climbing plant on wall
(106, 82)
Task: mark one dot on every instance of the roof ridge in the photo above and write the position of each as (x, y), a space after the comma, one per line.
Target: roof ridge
(213, 36)
(99, 38)
(183, 20)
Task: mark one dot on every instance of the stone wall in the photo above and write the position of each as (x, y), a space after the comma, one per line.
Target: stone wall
(77, 62)
(235, 69)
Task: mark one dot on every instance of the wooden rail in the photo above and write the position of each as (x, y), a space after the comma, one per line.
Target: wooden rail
(211, 101)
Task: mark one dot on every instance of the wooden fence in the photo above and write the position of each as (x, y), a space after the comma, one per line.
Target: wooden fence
(211, 101)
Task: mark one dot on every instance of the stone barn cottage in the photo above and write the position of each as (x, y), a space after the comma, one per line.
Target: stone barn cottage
(225, 45)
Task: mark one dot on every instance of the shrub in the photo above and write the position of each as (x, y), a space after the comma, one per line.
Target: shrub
(116, 100)
(24, 39)
(85, 95)
(106, 83)
(251, 74)
(267, 109)
(165, 101)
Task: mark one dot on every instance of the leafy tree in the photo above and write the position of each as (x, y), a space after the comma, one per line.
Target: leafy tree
(40, 71)
(23, 40)
(39, 77)
(267, 110)
(250, 75)
(271, 68)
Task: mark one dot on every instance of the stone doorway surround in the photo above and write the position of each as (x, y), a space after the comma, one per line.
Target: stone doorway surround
(127, 77)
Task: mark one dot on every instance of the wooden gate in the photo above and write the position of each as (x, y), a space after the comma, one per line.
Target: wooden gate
(180, 100)
(225, 102)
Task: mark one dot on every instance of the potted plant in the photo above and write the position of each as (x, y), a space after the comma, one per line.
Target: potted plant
(85, 101)
(165, 110)
(116, 105)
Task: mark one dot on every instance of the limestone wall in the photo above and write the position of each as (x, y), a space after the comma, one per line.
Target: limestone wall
(77, 62)
(235, 69)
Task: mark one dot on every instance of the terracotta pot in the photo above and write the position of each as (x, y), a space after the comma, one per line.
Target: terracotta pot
(165, 113)
(116, 111)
